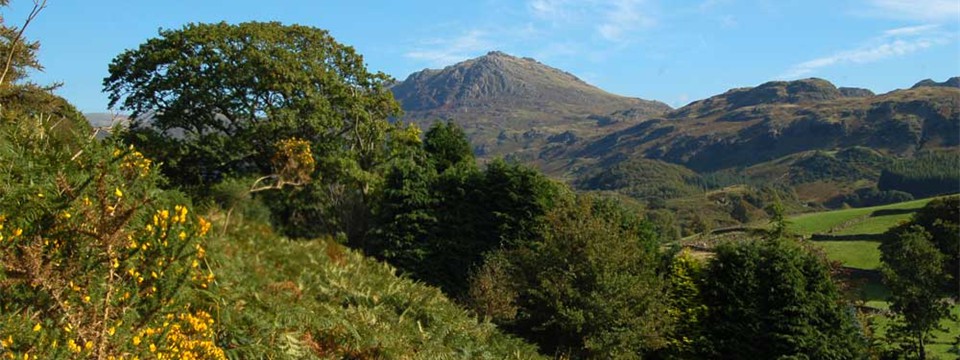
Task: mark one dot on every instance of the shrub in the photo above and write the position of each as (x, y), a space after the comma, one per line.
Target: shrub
(95, 261)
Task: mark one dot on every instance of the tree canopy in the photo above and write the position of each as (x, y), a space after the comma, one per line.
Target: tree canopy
(214, 99)
(773, 299)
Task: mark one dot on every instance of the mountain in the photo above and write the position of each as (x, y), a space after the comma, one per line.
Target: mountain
(747, 126)
(104, 120)
(515, 105)
(720, 161)
(953, 82)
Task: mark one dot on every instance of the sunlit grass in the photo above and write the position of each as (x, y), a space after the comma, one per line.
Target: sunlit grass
(863, 255)
(822, 222)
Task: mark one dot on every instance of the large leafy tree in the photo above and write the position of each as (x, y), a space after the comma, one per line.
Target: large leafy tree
(913, 269)
(447, 145)
(774, 299)
(920, 265)
(213, 99)
(587, 284)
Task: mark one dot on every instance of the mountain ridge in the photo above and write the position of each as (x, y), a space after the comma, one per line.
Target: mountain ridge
(507, 104)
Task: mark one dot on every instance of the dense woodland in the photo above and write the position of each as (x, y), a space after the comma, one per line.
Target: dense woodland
(237, 215)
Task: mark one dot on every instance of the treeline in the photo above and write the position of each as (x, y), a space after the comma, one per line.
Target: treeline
(928, 174)
(585, 277)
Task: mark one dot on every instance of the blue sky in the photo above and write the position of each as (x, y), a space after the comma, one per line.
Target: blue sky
(672, 51)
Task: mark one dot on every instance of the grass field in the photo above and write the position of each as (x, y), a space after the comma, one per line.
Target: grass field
(864, 256)
(870, 220)
(942, 344)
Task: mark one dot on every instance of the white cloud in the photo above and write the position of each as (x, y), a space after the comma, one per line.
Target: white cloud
(442, 52)
(922, 10)
(892, 43)
(707, 5)
(552, 10)
(623, 17)
(911, 30)
(616, 20)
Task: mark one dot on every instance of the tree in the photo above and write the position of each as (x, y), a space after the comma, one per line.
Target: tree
(405, 218)
(18, 54)
(20, 98)
(686, 309)
(213, 99)
(770, 299)
(921, 265)
(447, 145)
(941, 219)
(913, 269)
(588, 285)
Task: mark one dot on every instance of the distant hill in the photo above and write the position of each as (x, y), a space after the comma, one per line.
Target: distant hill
(511, 105)
(748, 126)
(953, 82)
(103, 119)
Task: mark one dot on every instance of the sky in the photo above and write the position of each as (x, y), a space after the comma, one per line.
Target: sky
(674, 51)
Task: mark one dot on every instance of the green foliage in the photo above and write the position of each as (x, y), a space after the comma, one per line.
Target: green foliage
(19, 55)
(941, 219)
(849, 164)
(587, 286)
(643, 179)
(23, 100)
(928, 174)
(213, 100)
(493, 292)
(686, 307)
(480, 211)
(280, 298)
(94, 259)
(406, 218)
(447, 145)
(665, 224)
(437, 225)
(913, 269)
(771, 299)
(866, 197)
(921, 261)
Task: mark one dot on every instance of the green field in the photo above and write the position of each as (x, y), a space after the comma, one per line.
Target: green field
(870, 220)
(942, 343)
(863, 254)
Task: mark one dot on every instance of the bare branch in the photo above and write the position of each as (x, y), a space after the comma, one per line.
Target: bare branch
(38, 5)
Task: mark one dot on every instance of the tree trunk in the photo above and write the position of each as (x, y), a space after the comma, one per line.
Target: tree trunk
(922, 350)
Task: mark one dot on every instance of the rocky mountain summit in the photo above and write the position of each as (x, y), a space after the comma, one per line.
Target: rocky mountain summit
(507, 104)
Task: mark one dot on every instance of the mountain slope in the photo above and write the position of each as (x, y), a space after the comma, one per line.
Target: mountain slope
(747, 126)
(508, 104)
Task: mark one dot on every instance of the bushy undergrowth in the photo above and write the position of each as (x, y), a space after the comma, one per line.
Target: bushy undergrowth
(95, 261)
(281, 298)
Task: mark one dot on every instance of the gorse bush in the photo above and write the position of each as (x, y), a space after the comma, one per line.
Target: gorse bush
(95, 261)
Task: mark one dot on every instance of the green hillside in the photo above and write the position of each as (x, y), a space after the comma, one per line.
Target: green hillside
(281, 298)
